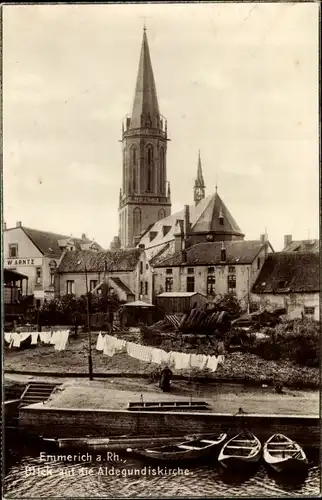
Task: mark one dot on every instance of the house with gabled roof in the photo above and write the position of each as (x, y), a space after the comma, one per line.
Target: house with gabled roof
(118, 269)
(290, 280)
(213, 268)
(36, 254)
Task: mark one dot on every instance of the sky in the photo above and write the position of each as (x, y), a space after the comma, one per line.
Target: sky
(237, 81)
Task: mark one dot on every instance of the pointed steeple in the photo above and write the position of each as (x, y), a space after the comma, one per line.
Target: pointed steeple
(199, 189)
(145, 111)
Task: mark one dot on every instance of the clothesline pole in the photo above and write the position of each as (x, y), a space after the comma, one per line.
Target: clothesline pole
(90, 362)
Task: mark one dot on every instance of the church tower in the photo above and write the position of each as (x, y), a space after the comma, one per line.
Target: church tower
(145, 193)
(199, 190)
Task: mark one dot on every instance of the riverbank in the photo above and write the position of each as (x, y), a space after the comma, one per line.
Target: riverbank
(228, 398)
(238, 367)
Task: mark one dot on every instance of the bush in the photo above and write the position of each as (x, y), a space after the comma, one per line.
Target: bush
(297, 341)
(229, 303)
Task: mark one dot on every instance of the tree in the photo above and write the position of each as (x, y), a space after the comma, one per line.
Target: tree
(228, 302)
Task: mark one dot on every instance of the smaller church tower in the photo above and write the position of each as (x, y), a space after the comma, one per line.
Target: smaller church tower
(199, 190)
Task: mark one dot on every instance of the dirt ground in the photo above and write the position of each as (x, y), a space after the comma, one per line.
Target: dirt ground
(223, 398)
(237, 366)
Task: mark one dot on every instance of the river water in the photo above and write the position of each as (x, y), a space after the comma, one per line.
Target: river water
(30, 473)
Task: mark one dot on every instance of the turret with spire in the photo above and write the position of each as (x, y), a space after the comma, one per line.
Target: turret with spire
(144, 188)
(199, 190)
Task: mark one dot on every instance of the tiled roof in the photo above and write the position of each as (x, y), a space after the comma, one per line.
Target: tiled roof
(111, 260)
(118, 282)
(47, 242)
(204, 218)
(287, 272)
(237, 252)
(302, 246)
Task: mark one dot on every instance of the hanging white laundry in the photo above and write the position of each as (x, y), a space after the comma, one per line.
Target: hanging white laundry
(120, 345)
(182, 360)
(212, 363)
(165, 356)
(45, 337)
(109, 346)
(137, 351)
(61, 346)
(54, 337)
(58, 339)
(156, 356)
(16, 339)
(100, 342)
(7, 337)
(24, 336)
(34, 338)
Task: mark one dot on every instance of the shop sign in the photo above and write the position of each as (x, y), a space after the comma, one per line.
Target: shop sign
(37, 261)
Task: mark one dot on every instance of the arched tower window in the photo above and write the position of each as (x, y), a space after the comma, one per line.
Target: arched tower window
(161, 214)
(162, 172)
(137, 221)
(149, 168)
(133, 161)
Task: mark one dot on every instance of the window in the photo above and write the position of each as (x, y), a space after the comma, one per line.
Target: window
(162, 171)
(13, 250)
(141, 267)
(282, 284)
(70, 287)
(190, 283)
(38, 275)
(231, 269)
(191, 270)
(149, 168)
(169, 284)
(169, 271)
(146, 288)
(146, 266)
(211, 270)
(92, 285)
(52, 279)
(161, 214)
(137, 221)
(211, 281)
(309, 311)
(258, 263)
(141, 287)
(221, 221)
(231, 282)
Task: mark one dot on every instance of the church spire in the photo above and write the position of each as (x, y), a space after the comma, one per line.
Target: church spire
(145, 113)
(199, 190)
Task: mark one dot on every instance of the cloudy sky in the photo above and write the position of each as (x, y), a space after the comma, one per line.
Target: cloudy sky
(237, 81)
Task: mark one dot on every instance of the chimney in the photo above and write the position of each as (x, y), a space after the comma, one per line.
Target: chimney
(84, 236)
(18, 224)
(287, 240)
(186, 221)
(223, 252)
(184, 256)
(262, 238)
(4, 226)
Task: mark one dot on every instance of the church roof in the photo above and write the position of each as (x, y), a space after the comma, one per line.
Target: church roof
(145, 98)
(204, 218)
(209, 220)
(199, 182)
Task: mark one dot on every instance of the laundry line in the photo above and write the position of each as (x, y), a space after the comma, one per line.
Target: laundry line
(110, 346)
(58, 338)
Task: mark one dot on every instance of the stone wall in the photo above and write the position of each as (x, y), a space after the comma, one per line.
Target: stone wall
(55, 422)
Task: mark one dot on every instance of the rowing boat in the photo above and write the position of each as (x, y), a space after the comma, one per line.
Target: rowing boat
(242, 450)
(284, 455)
(189, 450)
(114, 442)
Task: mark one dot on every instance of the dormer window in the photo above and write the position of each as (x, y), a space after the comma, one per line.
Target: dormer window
(282, 284)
